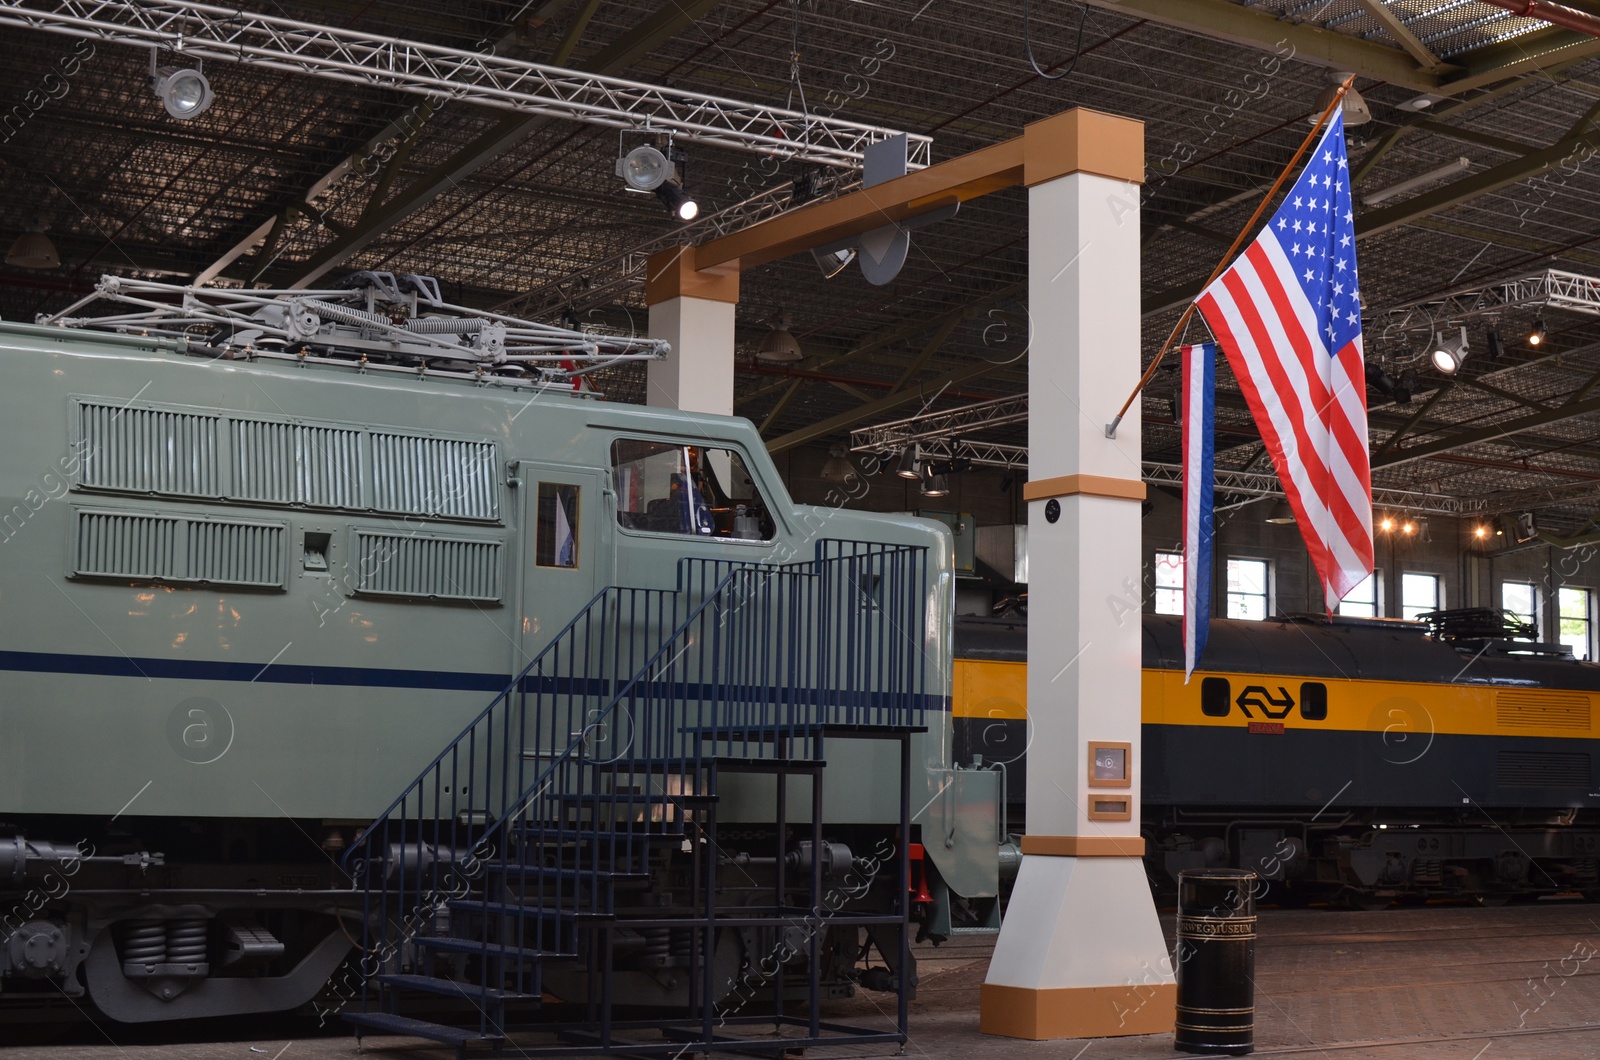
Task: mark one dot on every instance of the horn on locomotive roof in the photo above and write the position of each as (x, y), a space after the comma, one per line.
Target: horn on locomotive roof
(376, 319)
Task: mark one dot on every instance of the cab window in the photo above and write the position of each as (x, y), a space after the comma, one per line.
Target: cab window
(696, 490)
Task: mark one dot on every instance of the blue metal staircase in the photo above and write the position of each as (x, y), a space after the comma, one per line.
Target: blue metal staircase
(574, 823)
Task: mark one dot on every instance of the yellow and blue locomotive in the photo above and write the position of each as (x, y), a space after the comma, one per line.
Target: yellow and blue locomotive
(1354, 759)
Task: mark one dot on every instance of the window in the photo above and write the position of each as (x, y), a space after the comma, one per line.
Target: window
(1169, 583)
(557, 544)
(1419, 593)
(687, 489)
(1577, 620)
(1248, 589)
(1362, 601)
(1522, 600)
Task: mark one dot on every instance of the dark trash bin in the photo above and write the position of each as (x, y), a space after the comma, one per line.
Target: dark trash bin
(1216, 962)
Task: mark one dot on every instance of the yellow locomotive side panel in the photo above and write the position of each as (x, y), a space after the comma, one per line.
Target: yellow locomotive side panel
(986, 688)
(1371, 706)
(1152, 695)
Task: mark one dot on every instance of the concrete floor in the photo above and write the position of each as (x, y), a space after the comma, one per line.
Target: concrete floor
(1438, 983)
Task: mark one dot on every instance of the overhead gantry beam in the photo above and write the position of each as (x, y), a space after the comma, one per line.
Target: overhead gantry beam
(505, 134)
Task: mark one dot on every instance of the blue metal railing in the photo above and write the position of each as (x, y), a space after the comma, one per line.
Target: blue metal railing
(547, 805)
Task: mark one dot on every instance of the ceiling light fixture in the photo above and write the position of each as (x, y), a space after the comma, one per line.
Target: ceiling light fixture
(1493, 343)
(1280, 514)
(838, 467)
(645, 168)
(1539, 333)
(680, 202)
(935, 484)
(1356, 111)
(33, 250)
(910, 466)
(1433, 176)
(833, 262)
(1418, 103)
(183, 90)
(1447, 356)
(779, 346)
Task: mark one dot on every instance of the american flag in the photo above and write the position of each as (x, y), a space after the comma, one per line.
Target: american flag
(1287, 313)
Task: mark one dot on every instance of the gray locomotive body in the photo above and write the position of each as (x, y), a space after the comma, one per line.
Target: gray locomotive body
(245, 601)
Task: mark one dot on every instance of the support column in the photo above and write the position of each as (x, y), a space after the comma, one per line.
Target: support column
(693, 311)
(1080, 954)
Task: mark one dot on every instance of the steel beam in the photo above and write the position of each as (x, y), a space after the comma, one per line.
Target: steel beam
(1402, 34)
(1582, 140)
(928, 392)
(1494, 432)
(1224, 20)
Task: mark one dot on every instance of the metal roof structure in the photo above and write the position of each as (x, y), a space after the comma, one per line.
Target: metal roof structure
(290, 176)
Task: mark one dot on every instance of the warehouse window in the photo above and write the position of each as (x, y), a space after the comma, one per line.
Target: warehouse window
(1522, 600)
(1419, 593)
(1362, 601)
(1249, 589)
(1577, 620)
(1169, 583)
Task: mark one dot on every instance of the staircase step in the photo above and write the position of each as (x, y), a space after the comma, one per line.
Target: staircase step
(451, 944)
(739, 764)
(452, 988)
(472, 905)
(583, 831)
(637, 801)
(547, 872)
(389, 1023)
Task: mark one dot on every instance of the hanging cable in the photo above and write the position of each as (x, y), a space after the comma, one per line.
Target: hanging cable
(795, 85)
(1027, 43)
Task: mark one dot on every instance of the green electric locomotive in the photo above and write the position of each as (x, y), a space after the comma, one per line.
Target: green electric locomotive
(356, 651)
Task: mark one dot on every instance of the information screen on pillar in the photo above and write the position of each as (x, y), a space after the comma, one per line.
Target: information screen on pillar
(1108, 765)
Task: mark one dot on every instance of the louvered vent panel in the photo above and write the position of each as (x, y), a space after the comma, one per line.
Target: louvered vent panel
(1542, 709)
(128, 546)
(1541, 769)
(413, 475)
(286, 463)
(148, 450)
(176, 549)
(223, 553)
(414, 565)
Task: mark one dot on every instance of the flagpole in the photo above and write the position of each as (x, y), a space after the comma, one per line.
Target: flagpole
(1238, 241)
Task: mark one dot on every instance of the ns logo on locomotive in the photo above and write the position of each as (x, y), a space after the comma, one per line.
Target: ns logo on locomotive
(334, 629)
(1351, 760)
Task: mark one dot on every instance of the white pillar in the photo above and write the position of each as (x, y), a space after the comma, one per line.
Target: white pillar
(1080, 953)
(694, 312)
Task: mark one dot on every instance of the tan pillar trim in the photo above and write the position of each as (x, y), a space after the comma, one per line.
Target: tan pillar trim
(1077, 1012)
(1084, 846)
(1083, 141)
(671, 274)
(1094, 485)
